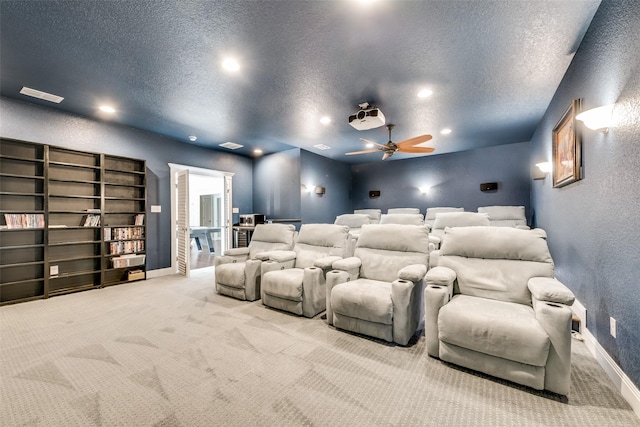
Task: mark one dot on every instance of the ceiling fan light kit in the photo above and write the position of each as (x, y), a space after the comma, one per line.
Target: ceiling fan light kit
(406, 146)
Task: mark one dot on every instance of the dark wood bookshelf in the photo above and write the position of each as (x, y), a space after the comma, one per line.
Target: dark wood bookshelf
(66, 187)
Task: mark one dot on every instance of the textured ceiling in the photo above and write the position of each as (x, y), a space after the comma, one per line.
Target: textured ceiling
(493, 67)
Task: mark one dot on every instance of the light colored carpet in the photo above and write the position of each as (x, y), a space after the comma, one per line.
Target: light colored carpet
(171, 352)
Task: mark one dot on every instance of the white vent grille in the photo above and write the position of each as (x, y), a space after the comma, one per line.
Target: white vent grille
(322, 147)
(231, 145)
(41, 95)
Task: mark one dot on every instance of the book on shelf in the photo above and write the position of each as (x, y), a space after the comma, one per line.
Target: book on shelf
(126, 247)
(91, 220)
(15, 221)
(139, 219)
(123, 233)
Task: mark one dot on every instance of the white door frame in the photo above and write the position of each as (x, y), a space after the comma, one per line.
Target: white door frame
(227, 210)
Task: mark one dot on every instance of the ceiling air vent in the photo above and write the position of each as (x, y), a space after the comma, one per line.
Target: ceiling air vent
(231, 145)
(41, 95)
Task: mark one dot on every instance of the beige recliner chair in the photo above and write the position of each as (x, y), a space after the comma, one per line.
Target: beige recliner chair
(493, 305)
(355, 223)
(378, 291)
(454, 219)
(402, 218)
(430, 215)
(506, 216)
(294, 281)
(373, 214)
(237, 272)
(392, 211)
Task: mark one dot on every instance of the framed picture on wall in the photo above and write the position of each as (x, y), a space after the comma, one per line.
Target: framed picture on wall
(567, 148)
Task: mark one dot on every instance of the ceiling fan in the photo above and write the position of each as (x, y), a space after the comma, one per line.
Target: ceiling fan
(406, 146)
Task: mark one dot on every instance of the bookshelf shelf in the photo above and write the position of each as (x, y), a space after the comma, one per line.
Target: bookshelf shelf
(55, 191)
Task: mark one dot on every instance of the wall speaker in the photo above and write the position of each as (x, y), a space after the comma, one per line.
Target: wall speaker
(374, 193)
(320, 190)
(489, 186)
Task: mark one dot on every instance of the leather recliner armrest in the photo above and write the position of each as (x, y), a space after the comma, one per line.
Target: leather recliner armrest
(346, 264)
(326, 263)
(550, 290)
(413, 272)
(236, 251)
(281, 256)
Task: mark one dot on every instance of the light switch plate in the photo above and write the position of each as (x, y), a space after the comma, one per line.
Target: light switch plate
(53, 270)
(235, 210)
(612, 327)
(156, 208)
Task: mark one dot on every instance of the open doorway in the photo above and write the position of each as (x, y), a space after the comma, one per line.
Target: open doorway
(205, 219)
(201, 214)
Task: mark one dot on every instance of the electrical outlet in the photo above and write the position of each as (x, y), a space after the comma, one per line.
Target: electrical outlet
(53, 270)
(612, 326)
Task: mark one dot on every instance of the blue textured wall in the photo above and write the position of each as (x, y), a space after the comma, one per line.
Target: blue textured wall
(592, 225)
(29, 122)
(454, 180)
(276, 184)
(335, 177)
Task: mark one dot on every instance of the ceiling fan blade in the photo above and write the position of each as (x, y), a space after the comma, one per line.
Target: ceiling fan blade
(416, 149)
(414, 141)
(375, 150)
(371, 142)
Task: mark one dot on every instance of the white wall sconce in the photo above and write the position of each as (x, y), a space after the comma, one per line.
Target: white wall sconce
(320, 190)
(542, 170)
(597, 118)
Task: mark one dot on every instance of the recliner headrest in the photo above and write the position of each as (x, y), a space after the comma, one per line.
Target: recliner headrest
(460, 219)
(432, 212)
(394, 237)
(328, 235)
(274, 233)
(495, 243)
(352, 220)
(503, 212)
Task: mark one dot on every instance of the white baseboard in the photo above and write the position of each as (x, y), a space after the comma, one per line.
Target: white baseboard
(622, 382)
(160, 272)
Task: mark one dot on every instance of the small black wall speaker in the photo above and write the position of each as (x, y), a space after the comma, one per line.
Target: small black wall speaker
(489, 186)
(374, 193)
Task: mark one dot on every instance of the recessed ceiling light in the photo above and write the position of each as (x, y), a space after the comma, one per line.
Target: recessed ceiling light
(425, 93)
(445, 131)
(231, 64)
(41, 95)
(257, 151)
(192, 138)
(322, 147)
(107, 109)
(231, 145)
(369, 145)
(325, 120)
